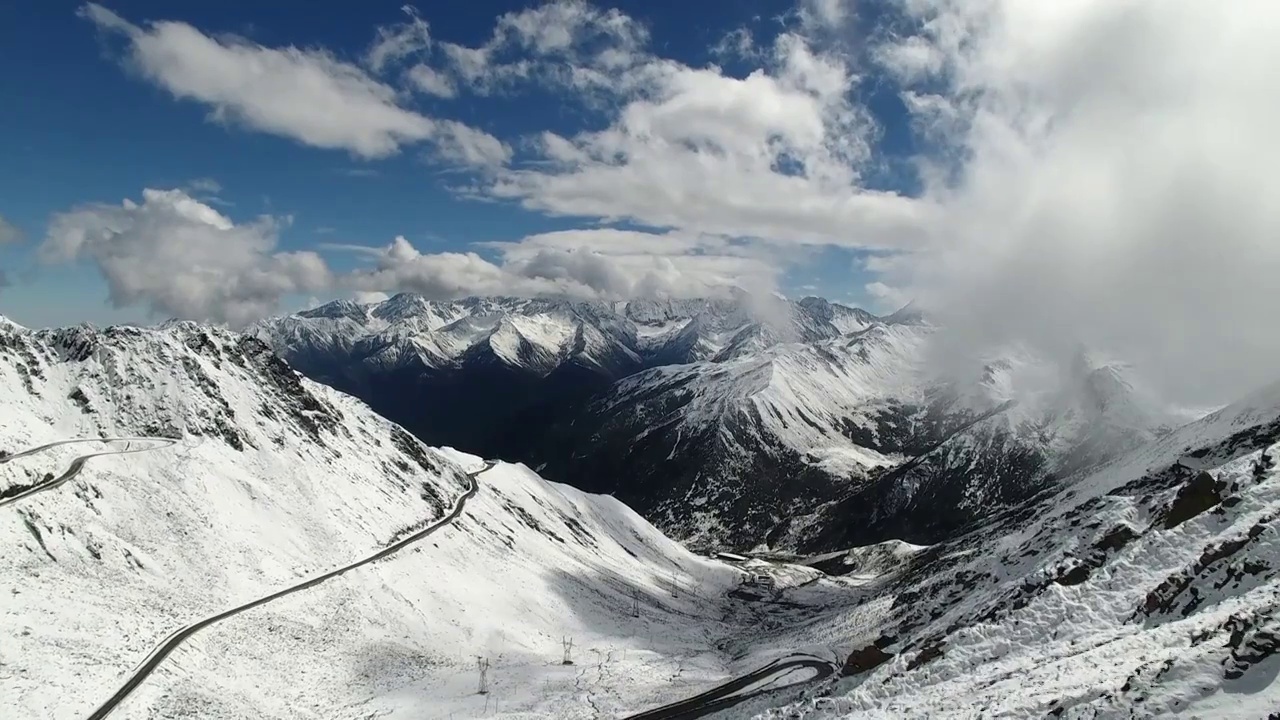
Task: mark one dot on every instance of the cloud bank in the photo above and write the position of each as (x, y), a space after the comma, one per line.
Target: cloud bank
(1090, 171)
(1108, 179)
(180, 257)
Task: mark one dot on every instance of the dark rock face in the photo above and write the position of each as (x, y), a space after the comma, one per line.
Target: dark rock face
(1250, 645)
(489, 409)
(961, 467)
(926, 655)
(868, 658)
(1074, 576)
(1197, 496)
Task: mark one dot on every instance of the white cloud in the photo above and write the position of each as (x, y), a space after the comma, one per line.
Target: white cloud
(431, 81)
(367, 298)
(590, 264)
(886, 298)
(9, 235)
(205, 185)
(464, 145)
(180, 257)
(396, 43)
(737, 43)
(774, 155)
(820, 15)
(1096, 171)
(569, 43)
(910, 59)
(1109, 177)
(307, 95)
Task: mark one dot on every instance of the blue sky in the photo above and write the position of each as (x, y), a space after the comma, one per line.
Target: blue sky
(91, 122)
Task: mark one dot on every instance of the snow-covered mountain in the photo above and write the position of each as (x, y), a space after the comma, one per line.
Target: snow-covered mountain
(726, 422)
(1144, 585)
(1147, 587)
(540, 335)
(476, 373)
(269, 479)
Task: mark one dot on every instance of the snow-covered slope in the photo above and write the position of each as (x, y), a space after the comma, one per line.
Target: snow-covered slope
(494, 366)
(735, 422)
(1147, 588)
(821, 445)
(717, 452)
(271, 479)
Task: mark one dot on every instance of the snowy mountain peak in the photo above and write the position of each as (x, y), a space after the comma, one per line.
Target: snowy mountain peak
(338, 309)
(400, 307)
(641, 332)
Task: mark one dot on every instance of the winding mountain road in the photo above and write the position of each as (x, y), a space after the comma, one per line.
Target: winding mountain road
(78, 464)
(731, 693)
(171, 643)
(719, 698)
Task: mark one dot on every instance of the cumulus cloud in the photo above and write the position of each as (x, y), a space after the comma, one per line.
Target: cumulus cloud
(1108, 178)
(601, 264)
(181, 258)
(368, 298)
(308, 95)
(426, 79)
(205, 185)
(569, 43)
(777, 155)
(820, 15)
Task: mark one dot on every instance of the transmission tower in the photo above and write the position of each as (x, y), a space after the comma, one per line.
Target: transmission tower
(482, 664)
(568, 650)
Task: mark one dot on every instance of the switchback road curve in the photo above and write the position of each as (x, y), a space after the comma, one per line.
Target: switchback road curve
(150, 443)
(730, 693)
(171, 643)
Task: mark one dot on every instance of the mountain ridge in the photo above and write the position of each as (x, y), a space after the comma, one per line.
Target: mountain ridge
(730, 422)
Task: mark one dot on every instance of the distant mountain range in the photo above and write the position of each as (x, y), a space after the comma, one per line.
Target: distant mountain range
(735, 422)
(1086, 559)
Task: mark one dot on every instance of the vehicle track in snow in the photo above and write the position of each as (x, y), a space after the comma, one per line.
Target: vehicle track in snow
(171, 643)
(20, 492)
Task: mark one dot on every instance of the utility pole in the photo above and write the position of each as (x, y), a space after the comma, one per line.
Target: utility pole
(568, 650)
(482, 664)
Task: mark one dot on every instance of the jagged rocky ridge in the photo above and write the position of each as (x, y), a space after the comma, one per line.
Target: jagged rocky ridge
(741, 422)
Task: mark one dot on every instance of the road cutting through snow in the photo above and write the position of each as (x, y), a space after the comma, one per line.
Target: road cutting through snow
(78, 464)
(171, 643)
